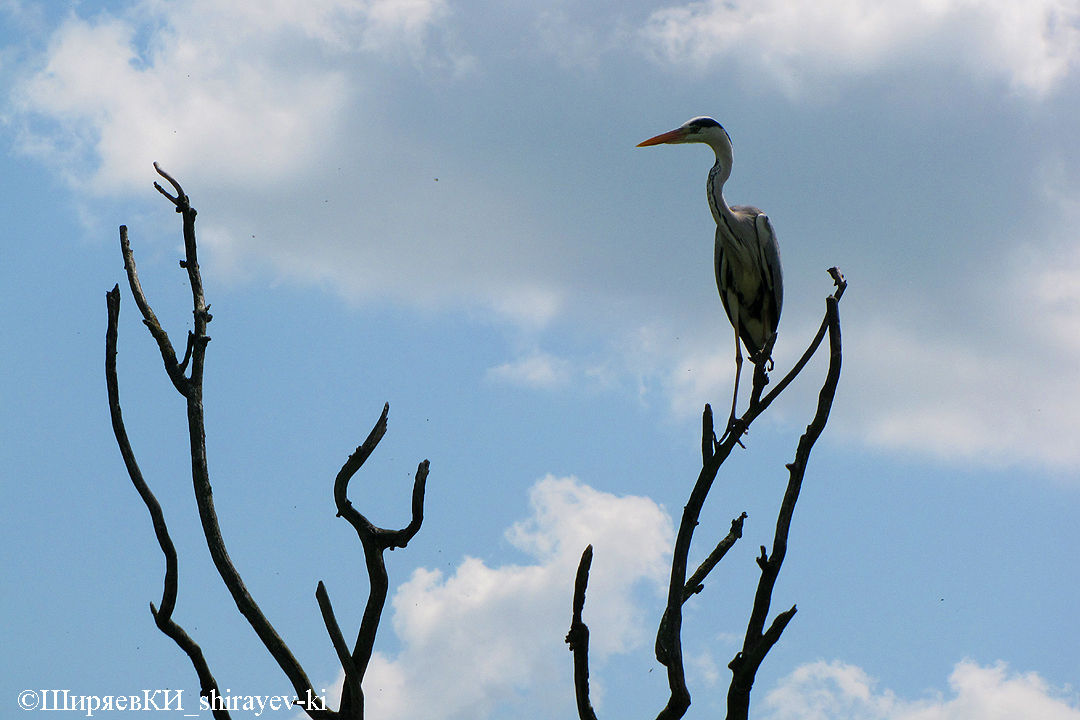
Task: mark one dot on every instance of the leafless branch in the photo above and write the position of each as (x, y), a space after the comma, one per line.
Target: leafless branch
(163, 616)
(693, 585)
(375, 540)
(757, 643)
(578, 639)
(187, 378)
(841, 286)
(352, 678)
(191, 387)
(714, 452)
(168, 355)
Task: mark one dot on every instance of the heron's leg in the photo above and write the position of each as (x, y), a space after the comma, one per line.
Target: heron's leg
(732, 423)
(738, 374)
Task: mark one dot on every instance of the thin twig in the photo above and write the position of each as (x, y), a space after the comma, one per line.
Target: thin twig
(694, 584)
(168, 354)
(352, 678)
(191, 387)
(841, 286)
(208, 686)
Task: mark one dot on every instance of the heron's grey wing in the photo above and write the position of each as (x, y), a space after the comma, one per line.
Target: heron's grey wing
(722, 267)
(770, 261)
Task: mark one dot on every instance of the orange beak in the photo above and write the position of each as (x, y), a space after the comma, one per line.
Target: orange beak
(663, 138)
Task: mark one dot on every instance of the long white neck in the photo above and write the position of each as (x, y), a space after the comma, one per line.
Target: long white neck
(719, 174)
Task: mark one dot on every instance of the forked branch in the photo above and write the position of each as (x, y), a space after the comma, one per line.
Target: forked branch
(375, 541)
(162, 616)
(714, 452)
(187, 378)
(758, 641)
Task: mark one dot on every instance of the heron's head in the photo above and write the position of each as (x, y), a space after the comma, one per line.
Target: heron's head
(699, 130)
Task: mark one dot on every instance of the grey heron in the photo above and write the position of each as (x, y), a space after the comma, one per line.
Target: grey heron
(746, 255)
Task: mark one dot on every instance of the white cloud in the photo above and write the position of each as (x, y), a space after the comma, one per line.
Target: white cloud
(993, 379)
(1033, 44)
(837, 691)
(265, 109)
(532, 307)
(242, 92)
(259, 107)
(487, 637)
(961, 402)
(541, 370)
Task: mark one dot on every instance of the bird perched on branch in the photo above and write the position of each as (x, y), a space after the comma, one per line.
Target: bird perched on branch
(746, 256)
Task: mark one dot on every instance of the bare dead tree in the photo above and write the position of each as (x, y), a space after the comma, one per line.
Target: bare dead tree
(187, 377)
(758, 640)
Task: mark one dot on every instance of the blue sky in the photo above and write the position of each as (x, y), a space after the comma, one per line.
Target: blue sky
(438, 203)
